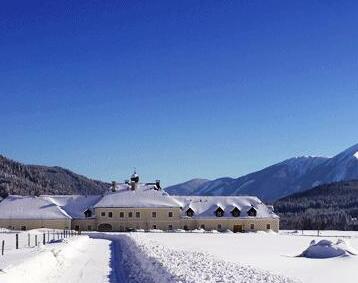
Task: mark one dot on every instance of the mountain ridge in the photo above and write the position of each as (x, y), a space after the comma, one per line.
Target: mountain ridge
(284, 178)
(23, 179)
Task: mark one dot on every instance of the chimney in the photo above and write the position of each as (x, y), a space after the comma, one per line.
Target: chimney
(157, 184)
(133, 185)
(114, 186)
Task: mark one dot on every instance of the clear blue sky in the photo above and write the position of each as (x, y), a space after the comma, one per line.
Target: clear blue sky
(179, 89)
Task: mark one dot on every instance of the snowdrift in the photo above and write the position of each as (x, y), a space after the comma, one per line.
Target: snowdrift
(328, 249)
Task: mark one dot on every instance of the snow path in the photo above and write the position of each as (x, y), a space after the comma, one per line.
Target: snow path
(79, 259)
(137, 260)
(118, 272)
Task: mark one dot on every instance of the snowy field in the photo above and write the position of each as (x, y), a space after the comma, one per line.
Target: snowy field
(184, 257)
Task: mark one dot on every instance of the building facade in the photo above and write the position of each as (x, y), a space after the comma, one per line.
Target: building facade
(134, 206)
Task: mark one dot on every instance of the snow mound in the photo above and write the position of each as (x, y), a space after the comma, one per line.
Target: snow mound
(328, 249)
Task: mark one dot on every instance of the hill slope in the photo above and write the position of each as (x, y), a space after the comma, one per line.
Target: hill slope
(330, 206)
(282, 179)
(17, 178)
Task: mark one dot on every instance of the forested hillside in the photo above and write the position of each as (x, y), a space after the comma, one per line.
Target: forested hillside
(17, 178)
(331, 206)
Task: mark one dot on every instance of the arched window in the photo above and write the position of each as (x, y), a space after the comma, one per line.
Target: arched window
(104, 227)
(190, 212)
(219, 212)
(252, 211)
(235, 212)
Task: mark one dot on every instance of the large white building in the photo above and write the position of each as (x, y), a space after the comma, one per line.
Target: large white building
(134, 205)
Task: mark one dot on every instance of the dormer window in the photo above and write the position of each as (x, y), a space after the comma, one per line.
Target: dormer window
(219, 212)
(235, 212)
(190, 212)
(252, 211)
(88, 213)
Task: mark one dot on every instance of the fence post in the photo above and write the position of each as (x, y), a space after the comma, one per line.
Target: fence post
(17, 241)
(2, 247)
(28, 240)
(36, 240)
(44, 239)
(48, 236)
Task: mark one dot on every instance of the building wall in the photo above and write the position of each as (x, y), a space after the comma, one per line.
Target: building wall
(88, 224)
(163, 222)
(145, 220)
(222, 224)
(28, 224)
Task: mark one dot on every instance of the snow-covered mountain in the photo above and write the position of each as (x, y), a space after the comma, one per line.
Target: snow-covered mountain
(281, 179)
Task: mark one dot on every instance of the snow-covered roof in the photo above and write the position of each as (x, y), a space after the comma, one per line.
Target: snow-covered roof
(205, 206)
(74, 205)
(28, 207)
(143, 196)
(46, 206)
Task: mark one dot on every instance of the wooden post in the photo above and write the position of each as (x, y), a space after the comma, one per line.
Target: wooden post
(48, 236)
(44, 239)
(36, 240)
(17, 241)
(2, 247)
(28, 240)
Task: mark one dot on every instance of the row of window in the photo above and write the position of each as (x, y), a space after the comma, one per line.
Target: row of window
(219, 227)
(130, 214)
(219, 212)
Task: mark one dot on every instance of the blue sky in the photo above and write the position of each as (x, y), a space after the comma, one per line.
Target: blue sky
(178, 89)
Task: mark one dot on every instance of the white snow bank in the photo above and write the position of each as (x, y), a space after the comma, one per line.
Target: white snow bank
(75, 259)
(149, 261)
(328, 249)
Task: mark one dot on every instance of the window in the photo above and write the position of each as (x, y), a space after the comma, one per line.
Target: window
(137, 214)
(130, 214)
(190, 212)
(121, 214)
(235, 212)
(154, 214)
(170, 214)
(219, 227)
(202, 226)
(219, 212)
(110, 214)
(77, 228)
(170, 227)
(88, 213)
(268, 226)
(23, 228)
(103, 214)
(252, 212)
(252, 226)
(154, 226)
(89, 227)
(185, 228)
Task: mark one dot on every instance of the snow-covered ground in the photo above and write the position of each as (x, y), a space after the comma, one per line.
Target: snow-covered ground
(184, 257)
(277, 253)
